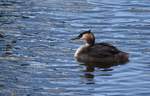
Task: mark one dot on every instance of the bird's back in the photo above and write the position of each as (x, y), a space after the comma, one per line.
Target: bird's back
(102, 50)
(102, 53)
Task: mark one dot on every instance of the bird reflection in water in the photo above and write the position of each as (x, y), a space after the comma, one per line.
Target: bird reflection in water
(90, 68)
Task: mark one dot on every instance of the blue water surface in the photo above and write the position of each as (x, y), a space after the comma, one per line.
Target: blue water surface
(36, 53)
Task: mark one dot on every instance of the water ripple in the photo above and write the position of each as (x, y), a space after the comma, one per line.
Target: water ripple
(36, 54)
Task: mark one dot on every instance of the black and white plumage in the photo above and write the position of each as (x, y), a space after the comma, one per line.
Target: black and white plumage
(93, 52)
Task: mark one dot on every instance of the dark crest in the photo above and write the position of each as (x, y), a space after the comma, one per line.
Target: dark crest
(89, 31)
(81, 34)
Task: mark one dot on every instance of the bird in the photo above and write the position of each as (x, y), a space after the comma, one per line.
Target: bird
(98, 53)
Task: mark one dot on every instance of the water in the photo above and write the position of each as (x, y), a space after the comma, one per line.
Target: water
(36, 54)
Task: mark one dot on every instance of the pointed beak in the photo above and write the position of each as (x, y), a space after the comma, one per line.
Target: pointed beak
(76, 38)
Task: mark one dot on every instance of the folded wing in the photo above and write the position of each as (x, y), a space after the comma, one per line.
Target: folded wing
(103, 50)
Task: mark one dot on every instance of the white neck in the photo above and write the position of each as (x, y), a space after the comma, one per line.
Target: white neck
(87, 44)
(78, 51)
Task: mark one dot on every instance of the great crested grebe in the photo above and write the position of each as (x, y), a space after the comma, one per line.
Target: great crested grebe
(93, 52)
